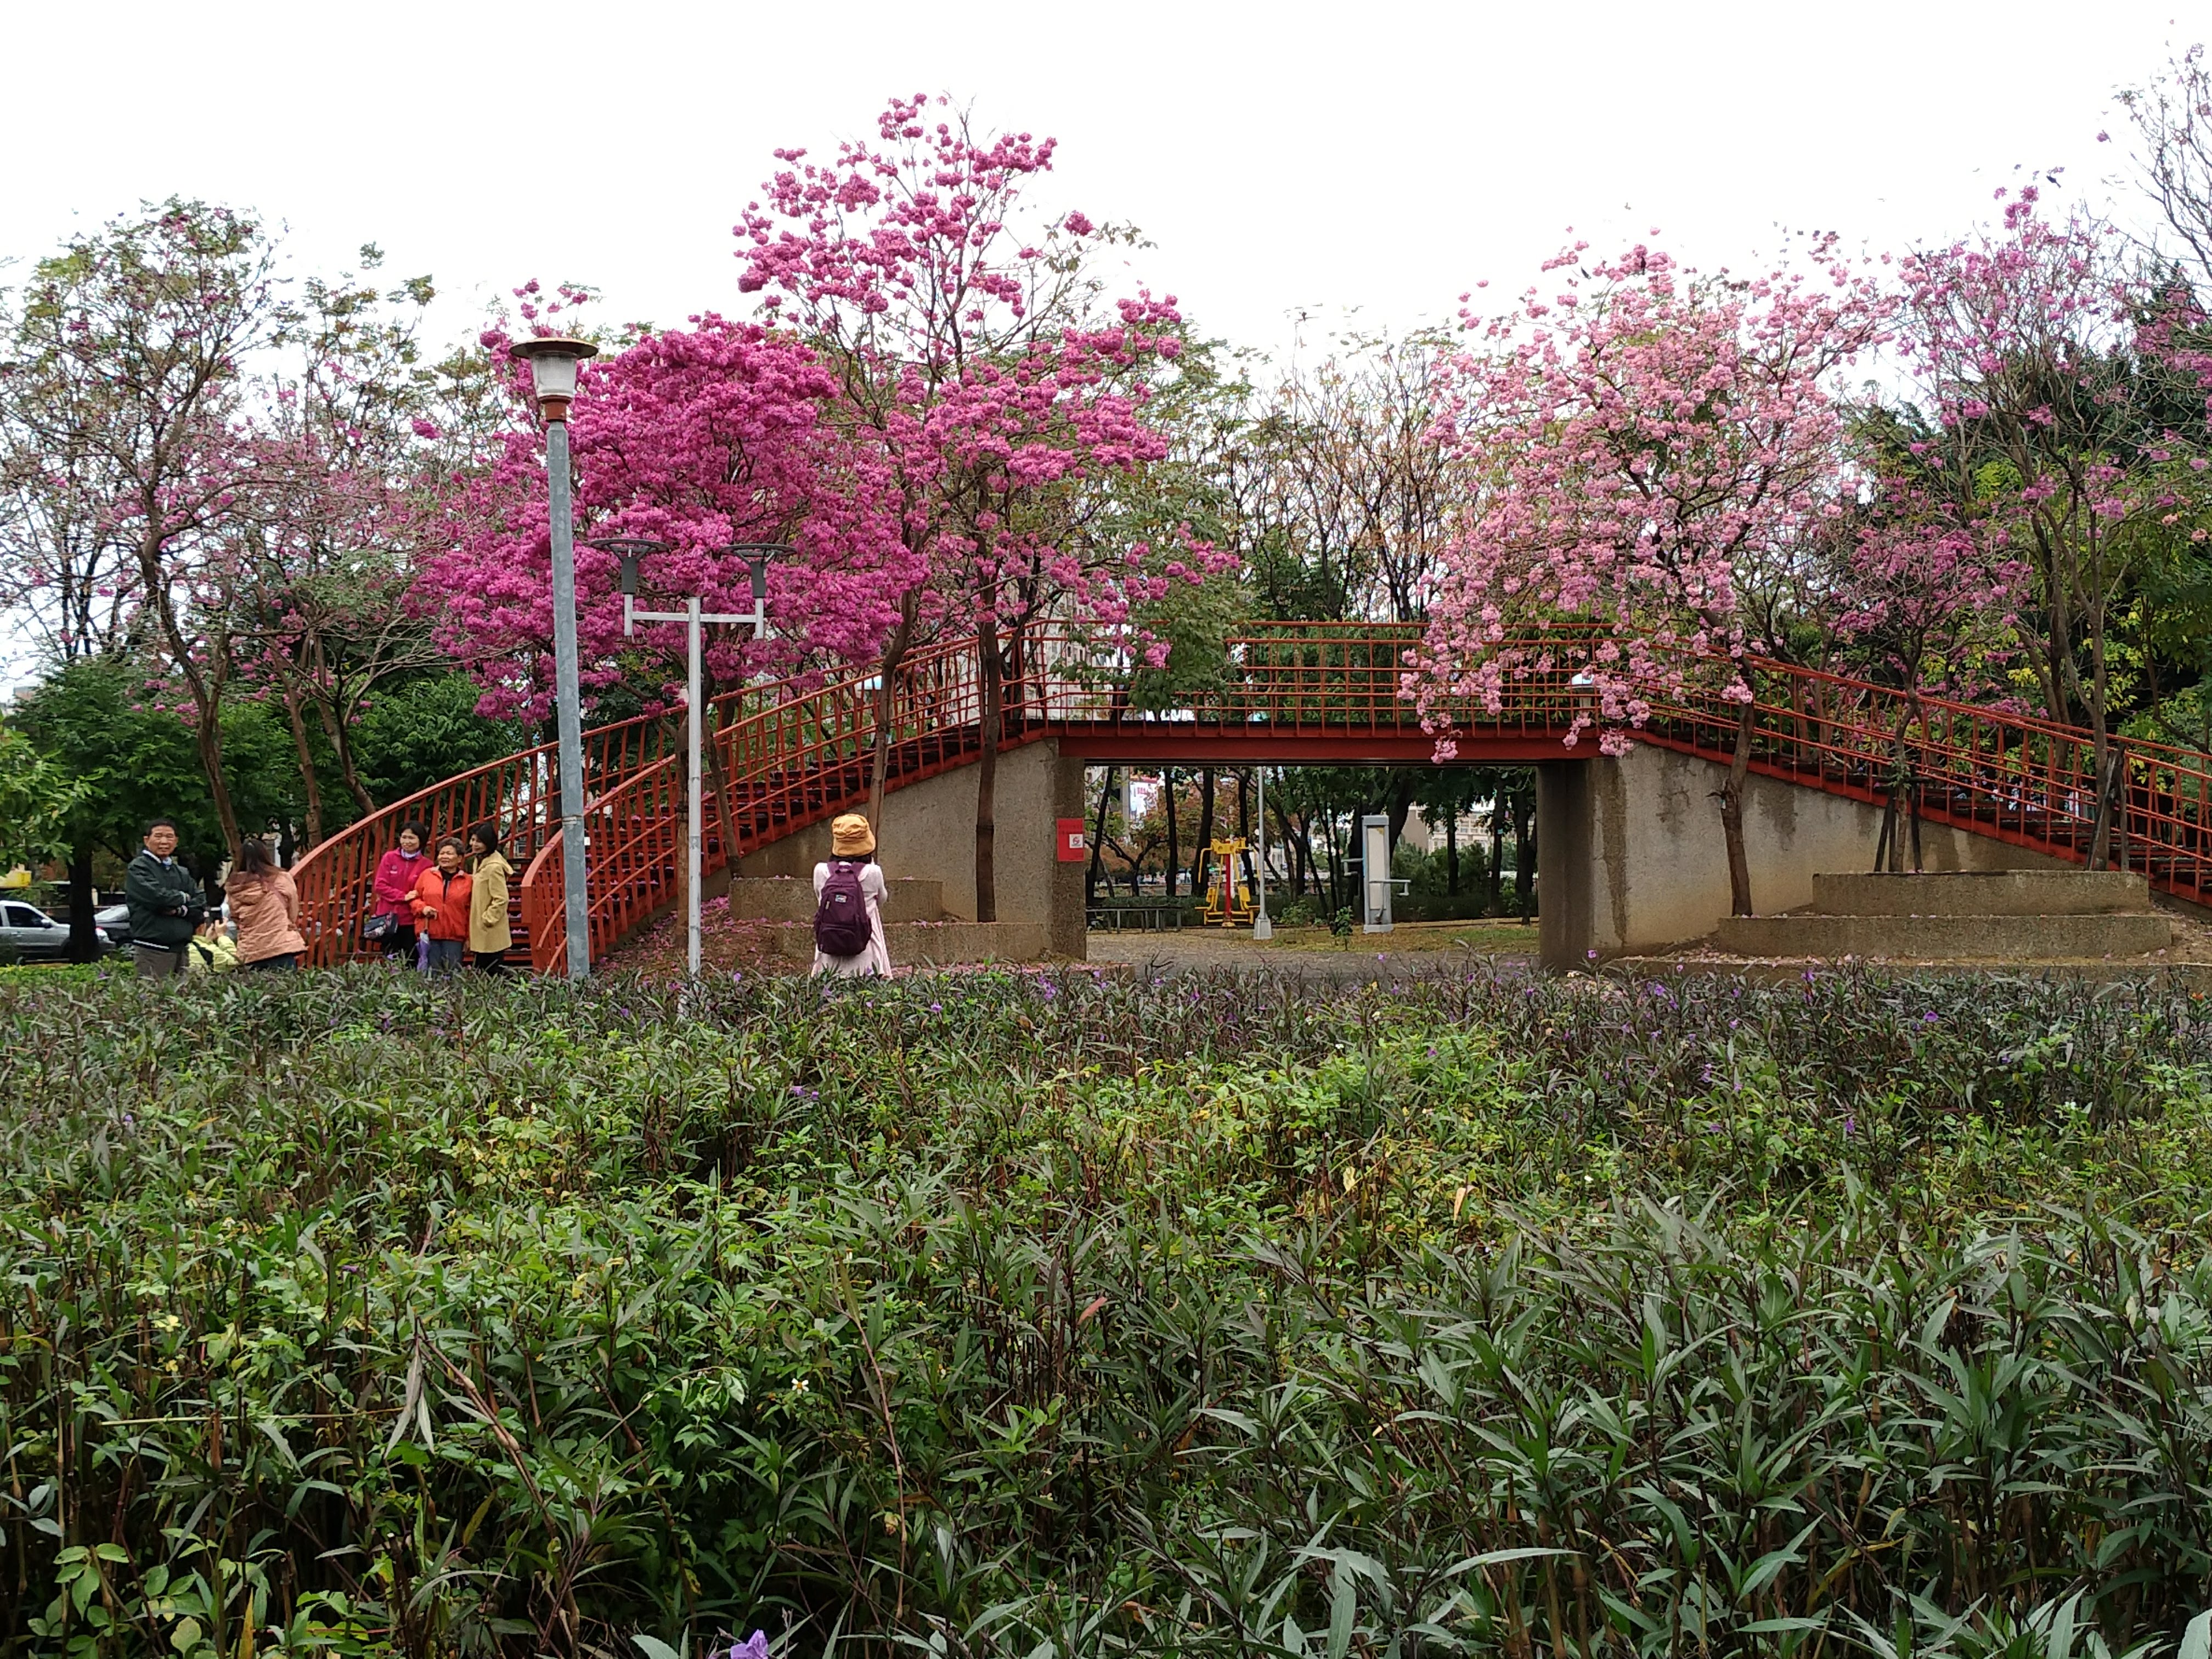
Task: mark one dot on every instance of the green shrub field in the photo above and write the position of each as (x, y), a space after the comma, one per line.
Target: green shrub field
(1050, 1315)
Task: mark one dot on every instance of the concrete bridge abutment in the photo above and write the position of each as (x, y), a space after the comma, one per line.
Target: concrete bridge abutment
(928, 831)
(1630, 856)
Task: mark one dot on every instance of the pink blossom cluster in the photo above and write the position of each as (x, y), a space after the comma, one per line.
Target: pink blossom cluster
(972, 352)
(1629, 444)
(700, 438)
(1938, 599)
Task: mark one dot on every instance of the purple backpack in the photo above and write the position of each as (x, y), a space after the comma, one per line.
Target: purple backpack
(841, 919)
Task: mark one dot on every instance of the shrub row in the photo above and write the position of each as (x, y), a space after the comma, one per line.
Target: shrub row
(1045, 1313)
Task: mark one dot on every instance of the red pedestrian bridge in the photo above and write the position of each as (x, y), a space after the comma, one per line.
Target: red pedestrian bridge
(1998, 788)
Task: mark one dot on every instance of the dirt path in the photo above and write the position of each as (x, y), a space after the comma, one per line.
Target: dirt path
(729, 946)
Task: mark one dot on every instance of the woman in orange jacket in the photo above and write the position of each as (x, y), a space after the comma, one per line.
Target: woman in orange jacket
(441, 903)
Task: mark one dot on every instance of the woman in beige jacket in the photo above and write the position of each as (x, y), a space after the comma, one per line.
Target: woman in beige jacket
(265, 905)
(491, 936)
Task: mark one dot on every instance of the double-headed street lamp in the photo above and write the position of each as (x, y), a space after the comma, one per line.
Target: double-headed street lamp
(630, 549)
(553, 365)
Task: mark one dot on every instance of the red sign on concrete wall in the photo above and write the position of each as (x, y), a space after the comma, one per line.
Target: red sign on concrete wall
(1073, 849)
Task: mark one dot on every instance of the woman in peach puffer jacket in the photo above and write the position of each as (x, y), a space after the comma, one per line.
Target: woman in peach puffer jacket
(265, 905)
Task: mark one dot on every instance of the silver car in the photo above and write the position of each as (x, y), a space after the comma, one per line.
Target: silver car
(26, 931)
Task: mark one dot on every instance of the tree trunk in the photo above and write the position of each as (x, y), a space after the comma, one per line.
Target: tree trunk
(207, 738)
(718, 780)
(1524, 856)
(1098, 841)
(84, 934)
(1493, 886)
(1739, 863)
(1337, 896)
(2100, 744)
(886, 704)
(206, 687)
(1244, 806)
(1451, 853)
(1204, 844)
(1287, 838)
(986, 773)
(1175, 848)
(306, 764)
(1398, 801)
(335, 730)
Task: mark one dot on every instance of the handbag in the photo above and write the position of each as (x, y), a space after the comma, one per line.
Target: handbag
(379, 929)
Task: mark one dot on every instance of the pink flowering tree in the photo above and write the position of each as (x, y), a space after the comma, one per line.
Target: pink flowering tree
(124, 381)
(1932, 605)
(700, 438)
(973, 351)
(1644, 445)
(1927, 605)
(2044, 363)
(314, 585)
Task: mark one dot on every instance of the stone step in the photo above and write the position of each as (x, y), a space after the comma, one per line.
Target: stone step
(2175, 975)
(1945, 938)
(791, 898)
(1985, 893)
(920, 943)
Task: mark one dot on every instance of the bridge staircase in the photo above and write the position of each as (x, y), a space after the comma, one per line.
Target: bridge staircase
(793, 753)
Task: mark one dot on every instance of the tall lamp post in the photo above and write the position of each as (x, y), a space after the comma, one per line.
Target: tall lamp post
(553, 364)
(757, 554)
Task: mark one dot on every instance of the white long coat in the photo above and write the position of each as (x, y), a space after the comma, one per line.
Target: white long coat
(876, 958)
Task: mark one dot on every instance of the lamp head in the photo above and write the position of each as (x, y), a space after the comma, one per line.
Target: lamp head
(629, 550)
(757, 554)
(553, 364)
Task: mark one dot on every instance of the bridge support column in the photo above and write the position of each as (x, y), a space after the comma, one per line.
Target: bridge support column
(1631, 859)
(1568, 848)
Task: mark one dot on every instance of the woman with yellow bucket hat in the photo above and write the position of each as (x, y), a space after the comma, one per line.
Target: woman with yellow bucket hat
(849, 904)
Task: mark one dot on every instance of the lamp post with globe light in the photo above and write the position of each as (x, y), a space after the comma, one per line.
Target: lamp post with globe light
(553, 365)
(630, 550)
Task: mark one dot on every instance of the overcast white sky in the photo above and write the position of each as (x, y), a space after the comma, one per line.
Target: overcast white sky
(1385, 155)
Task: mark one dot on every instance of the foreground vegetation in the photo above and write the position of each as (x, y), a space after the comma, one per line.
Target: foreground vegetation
(1054, 1315)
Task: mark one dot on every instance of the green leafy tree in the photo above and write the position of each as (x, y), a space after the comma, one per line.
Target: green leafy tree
(418, 733)
(37, 799)
(99, 722)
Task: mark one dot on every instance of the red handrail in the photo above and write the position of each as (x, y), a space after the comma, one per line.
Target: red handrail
(796, 762)
(521, 795)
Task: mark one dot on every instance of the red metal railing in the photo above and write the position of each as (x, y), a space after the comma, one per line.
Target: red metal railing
(790, 763)
(793, 757)
(520, 794)
(2012, 777)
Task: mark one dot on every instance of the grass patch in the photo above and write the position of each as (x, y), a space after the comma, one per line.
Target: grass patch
(1019, 1313)
(1484, 937)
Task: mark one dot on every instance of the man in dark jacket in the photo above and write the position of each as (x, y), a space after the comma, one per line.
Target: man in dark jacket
(166, 903)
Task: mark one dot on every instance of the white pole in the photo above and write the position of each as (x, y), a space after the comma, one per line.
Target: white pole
(1261, 927)
(692, 850)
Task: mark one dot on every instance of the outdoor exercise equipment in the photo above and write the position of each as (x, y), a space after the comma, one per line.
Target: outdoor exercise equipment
(1227, 873)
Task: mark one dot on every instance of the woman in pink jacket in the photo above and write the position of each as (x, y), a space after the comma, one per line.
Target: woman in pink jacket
(396, 873)
(265, 905)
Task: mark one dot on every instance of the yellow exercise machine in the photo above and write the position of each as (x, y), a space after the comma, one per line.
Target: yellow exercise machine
(1228, 876)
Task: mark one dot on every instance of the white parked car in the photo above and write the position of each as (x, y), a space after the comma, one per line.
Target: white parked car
(27, 930)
